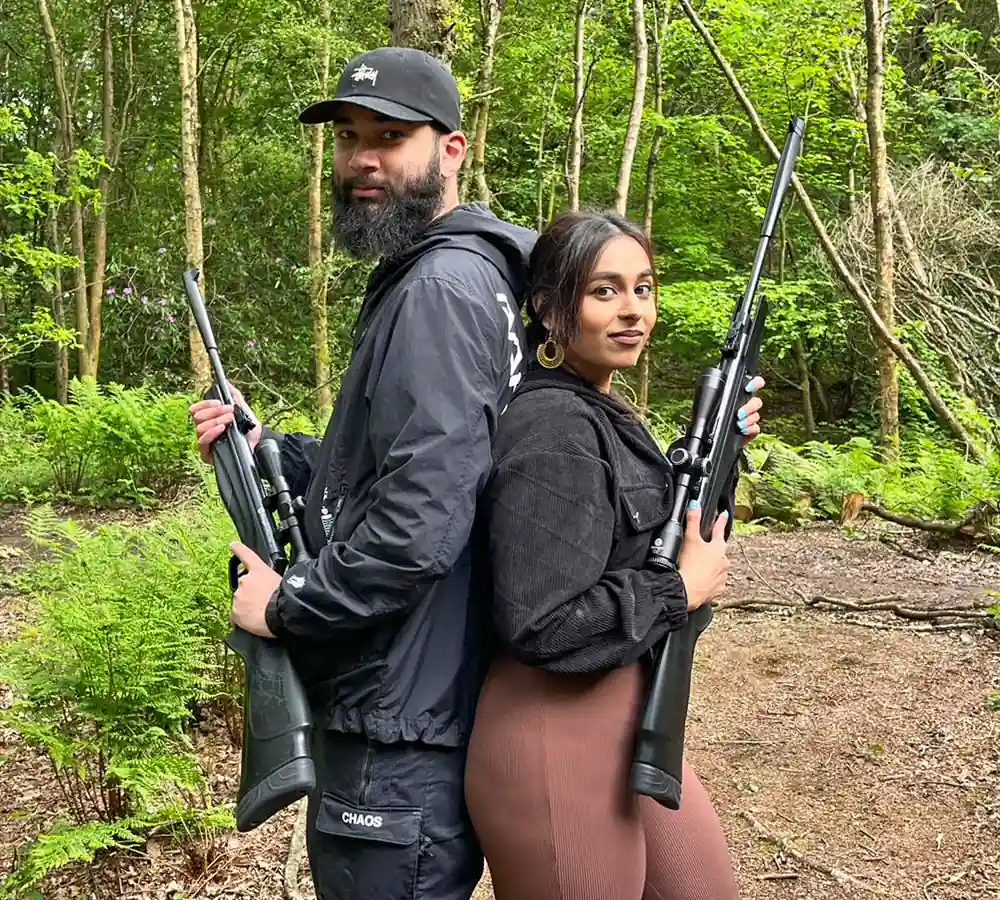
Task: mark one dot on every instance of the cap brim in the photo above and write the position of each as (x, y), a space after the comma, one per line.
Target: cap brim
(326, 110)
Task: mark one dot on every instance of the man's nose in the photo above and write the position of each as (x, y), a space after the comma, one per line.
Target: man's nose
(364, 159)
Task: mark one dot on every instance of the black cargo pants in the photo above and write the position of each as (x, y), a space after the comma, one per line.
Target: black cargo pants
(388, 822)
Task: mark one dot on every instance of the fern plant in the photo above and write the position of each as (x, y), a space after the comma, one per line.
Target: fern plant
(125, 637)
(112, 444)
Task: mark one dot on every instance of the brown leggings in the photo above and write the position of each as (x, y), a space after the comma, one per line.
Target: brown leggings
(547, 788)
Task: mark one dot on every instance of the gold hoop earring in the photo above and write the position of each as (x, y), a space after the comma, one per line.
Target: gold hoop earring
(550, 355)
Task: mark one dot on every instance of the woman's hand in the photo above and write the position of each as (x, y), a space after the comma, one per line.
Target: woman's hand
(748, 418)
(703, 565)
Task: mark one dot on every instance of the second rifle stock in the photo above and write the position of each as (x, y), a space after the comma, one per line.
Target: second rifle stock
(704, 461)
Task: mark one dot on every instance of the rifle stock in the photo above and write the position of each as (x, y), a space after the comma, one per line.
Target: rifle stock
(277, 768)
(704, 461)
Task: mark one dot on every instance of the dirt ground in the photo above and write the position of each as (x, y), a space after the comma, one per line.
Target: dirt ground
(847, 753)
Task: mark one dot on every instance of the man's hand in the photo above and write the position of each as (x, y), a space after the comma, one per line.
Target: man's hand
(211, 418)
(254, 592)
(748, 418)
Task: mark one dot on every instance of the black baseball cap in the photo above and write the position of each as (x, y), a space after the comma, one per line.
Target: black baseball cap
(399, 82)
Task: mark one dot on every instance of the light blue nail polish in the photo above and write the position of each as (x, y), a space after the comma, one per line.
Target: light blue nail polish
(750, 386)
(694, 504)
(742, 414)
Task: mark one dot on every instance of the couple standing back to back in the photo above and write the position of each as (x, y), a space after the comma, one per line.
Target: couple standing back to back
(465, 559)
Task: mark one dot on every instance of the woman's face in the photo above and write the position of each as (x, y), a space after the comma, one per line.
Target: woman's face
(617, 314)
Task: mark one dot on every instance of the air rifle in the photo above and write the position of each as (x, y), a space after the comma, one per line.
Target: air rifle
(704, 461)
(277, 768)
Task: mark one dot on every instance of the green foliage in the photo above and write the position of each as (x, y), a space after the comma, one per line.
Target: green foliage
(27, 194)
(125, 636)
(30, 335)
(694, 317)
(110, 444)
(23, 470)
(932, 479)
(63, 845)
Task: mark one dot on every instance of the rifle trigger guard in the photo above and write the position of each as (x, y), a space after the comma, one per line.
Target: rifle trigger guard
(234, 573)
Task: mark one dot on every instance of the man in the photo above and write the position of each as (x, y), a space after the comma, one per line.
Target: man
(381, 625)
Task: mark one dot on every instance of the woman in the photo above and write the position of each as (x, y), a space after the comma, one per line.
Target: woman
(578, 489)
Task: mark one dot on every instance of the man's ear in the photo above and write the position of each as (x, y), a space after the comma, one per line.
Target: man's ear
(453, 148)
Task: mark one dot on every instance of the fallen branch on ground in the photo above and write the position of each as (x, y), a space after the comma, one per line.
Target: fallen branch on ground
(951, 529)
(981, 617)
(958, 618)
(905, 551)
(787, 846)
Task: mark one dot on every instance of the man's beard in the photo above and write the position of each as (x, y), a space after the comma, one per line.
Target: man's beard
(384, 228)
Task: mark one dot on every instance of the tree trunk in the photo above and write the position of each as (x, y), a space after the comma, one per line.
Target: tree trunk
(187, 54)
(318, 281)
(4, 371)
(490, 12)
(799, 346)
(104, 185)
(59, 315)
(900, 225)
(575, 155)
(67, 154)
(635, 114)
(876, 14)
(540, 159)
(427, 25)
(659, 32)
(856, 289)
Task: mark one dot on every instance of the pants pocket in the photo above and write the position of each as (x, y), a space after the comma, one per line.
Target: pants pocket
(365, 853)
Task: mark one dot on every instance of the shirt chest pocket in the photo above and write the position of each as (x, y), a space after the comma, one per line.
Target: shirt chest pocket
(642, 511)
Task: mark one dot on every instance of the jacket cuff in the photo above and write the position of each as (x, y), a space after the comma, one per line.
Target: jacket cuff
(669, 591)
(272, 617)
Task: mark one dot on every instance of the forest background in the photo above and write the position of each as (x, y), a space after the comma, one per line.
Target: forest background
(139, 137)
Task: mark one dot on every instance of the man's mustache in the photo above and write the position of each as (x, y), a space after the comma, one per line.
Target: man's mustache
(350, 184)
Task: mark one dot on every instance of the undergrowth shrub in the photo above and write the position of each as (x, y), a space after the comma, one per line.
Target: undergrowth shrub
(110, 445)
(124, 637)
(931, 480)
(23, 470)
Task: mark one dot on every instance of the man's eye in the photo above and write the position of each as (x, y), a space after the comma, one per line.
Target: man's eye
(345, 135)
(392, 135)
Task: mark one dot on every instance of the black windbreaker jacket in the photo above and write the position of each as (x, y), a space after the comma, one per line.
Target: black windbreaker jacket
(380, 625)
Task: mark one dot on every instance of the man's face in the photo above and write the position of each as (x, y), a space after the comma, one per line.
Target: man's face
(387, 181)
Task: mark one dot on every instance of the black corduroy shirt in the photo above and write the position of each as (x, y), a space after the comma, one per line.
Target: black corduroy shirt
(578, 490)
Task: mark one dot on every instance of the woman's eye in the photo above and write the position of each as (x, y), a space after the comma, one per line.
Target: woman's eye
(643, 290)
(604, 291)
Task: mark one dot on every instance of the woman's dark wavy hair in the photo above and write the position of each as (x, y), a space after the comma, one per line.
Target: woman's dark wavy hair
(560, 267)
